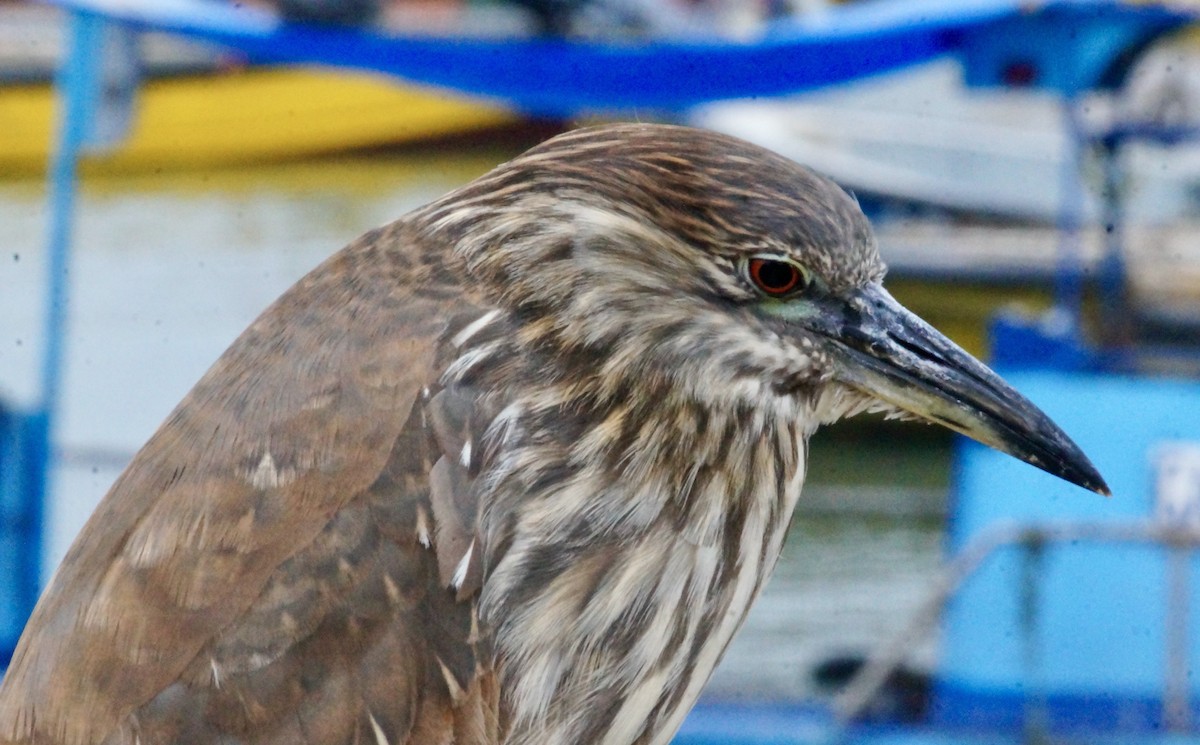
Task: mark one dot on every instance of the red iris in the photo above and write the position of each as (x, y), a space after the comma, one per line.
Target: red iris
(775, 278)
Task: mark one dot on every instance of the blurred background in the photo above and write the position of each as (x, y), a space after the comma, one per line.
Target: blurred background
(1033, 174)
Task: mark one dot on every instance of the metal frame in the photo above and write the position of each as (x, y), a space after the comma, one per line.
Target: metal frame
(1180, 543)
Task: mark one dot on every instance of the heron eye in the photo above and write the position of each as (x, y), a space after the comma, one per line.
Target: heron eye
(776, 278)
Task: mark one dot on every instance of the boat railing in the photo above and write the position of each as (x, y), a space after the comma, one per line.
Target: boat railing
(1179, 541)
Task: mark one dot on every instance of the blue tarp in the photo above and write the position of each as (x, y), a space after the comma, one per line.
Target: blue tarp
(560, 77)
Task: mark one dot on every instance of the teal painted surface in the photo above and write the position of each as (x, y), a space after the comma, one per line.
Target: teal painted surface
(22, 470)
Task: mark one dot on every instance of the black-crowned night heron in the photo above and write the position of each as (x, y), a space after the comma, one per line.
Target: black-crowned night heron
(509, 470)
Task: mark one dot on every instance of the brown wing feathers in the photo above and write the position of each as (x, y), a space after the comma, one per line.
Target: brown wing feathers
(271, 567)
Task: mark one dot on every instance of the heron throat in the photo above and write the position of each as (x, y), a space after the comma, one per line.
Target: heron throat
(625, 554)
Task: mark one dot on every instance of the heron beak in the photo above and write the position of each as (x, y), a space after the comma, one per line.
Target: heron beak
(887, 352)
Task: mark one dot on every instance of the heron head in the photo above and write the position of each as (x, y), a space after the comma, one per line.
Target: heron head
(669, 253)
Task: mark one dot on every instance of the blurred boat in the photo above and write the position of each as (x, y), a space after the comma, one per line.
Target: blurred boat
(200, 107)
(247, 115)
(557, 77)
(560, 77)
(920, 137)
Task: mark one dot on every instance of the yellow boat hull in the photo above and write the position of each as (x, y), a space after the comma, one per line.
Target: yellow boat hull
(244, 116)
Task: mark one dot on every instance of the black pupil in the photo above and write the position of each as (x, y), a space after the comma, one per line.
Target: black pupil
(776, 275)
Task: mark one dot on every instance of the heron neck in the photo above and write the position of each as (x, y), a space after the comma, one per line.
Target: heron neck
(625, 560)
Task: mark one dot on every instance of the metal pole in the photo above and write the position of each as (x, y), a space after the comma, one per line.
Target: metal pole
(78, 86)
(1069, 277)
(1037, 714)
(1177, 710)
(1115, 316)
